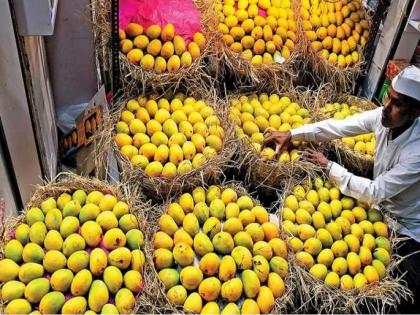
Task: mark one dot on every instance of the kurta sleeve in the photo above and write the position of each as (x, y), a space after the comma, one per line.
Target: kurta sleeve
(387, 185)
(331, 129)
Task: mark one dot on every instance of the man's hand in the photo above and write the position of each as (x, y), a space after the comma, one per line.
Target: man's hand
(281, 140)
(315, 157)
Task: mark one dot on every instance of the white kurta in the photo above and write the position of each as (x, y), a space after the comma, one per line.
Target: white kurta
(396, 184)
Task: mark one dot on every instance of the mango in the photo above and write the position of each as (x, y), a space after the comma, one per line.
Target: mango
(78, 260)
(53, 240)
(383, 242)
(227, 269)
(353, 243)
(12, 290)
(305, 231)
(382, 255)
(262, 248)
(250, 306)
(217, 209)
(162, 240)
(344, 224)
(128, 222)
(61, 280)
(72, 208)
(265, 300)
(163, 258)
(232, 210)
(233, 226)
(120, 257)
(209, 264)
(48, 204)
(62, 200)
(177, 213)
(369, 241)
(191, 224)
(120, 209)
(22, 233)
(357, 231)
(113, 279)
(114, 238)
(177, 294)
(37, 233)
(202, 212)
(107, 220)
(231, 290)
(256, 232)
(73, 243)
(137, 260)
(295, 244)
(339, 266)
(279, 265)
(94, 197)
(374, 215)
(326, 257)
(244, 239)
(53, 219)
(304, 259)
(54, 260)
(13, 250)
(81, 283)
(98, 261)
(212, 308)
(209, 289)
(92, 233)
(242, 257)
(335, 230)
(359, 280)
(27, 272)
(223, 243)
(184, 237)
(371, 274)
(247, 217)
(191, 277)
(319, 271)
(107, 202)
(380, 268)
(353, 263)
(76, 305)
(251, 283)
(193, 303)
(365, 256)
(339, 248)
(109, 309)
(183, 254)
(89, 212)
(169, 277)
(325, 237)
(52, 303)
(36, 289)
(229, 309)
(346, 283)
(332, 280)
(245, 202)
(18, 306)
(213, 192)
(32, 252)
(133, 281)
(69, 226)
(98, 295)
(202, 244)
(135, 239)
(276, 284)
(261, 267)
(211, 227)
(33, 215)
(312, 246)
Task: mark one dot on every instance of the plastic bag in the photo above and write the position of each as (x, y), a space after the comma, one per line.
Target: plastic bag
(67, 117)
(183, 14)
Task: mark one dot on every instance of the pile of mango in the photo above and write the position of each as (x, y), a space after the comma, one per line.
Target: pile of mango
(168, 137)
(261, 31)
(255, 115)
(159, 49)
(340, 241)
(364, 144)
(215, 248)
(336, 29)
(77, 253)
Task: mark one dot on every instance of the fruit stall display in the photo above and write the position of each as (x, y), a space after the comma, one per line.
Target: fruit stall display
(356, 153)
(217, 250)
(335, 33)
(171, 143)
(77, 247)
(256, 39)
(342, 249)
(255, 115)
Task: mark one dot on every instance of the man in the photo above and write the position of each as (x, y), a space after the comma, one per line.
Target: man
(396, 182)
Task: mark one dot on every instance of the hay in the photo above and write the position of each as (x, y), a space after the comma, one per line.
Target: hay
(380, 298)
(224, 62)
(283, 304)
(269, 176)
(158, 188)
(68, 182)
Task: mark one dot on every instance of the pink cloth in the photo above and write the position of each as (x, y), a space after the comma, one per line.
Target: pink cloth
(183, 14)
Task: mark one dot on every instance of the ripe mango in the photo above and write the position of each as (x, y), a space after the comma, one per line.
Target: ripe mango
(223, 242)
(163, 240)
(202, 244)
(335, 230)
(107, 220)
(37, 233)
(217, 208)
(52, 303)
(371, 274)
(89, 212)
(69, 226)
(27, 272)
(211, 227)
(339, 248)
(243, 239)
(382, 255)
(61, 280)
(176, 212)
(12, 290)
(359, 280)
(184, 237)
(365, 256)
(81, 283)
(78, 260)
(256, 231)
(332, 280)
(233, 226)
(227, 269)
(53, 240)
(114, 238)
(183, 254)
(250, 306)
(128, 222)
(209, 289)
(98, 295)
(48, 204)
(113, 279)
(369, 241)
(18, 306)
(135, 239)
(137, 260)
(36, 289)
(231, 290)
(211, 308)
(193, 303)
(167, 224)
(32, 252)
(279, 265)
(120, 257)
(380, 268)
(73, 243)
(319, 271)
(353, 243)
(242, 257)
(213, 192)
(261, 267)
(109, 309)
(98, 261)
(209, 264)
(76, 305)
(251, 283)
(92, 233)
(339, 266)
(169, 277)
(133, 281)
(265, 300)
(53, 219)
(72, 208)
(120, 209)
(304, 259)
(326, 257)
(232, 210)
(191, 277)
(13, 250)
(177, 294)
(312, 246)
(305, 231)
(163, 258)
(54, 260)
(353, 263)
(202, 212)
(33, 215)
(346, 283)
(262, 248)
(22, 233)
(229, 309)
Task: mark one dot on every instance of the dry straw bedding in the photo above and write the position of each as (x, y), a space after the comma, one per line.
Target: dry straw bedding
(313, 294)
(284, 304)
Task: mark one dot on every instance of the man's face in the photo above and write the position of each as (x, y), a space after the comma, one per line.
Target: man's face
(395, 113)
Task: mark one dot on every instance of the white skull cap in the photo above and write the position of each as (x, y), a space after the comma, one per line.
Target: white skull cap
(407, 82)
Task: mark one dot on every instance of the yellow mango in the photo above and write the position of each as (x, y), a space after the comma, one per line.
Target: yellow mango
(81, 283)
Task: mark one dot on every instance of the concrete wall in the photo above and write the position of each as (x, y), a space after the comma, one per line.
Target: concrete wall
(71, 56)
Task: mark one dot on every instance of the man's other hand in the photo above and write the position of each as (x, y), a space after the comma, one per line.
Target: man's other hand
(281, 140)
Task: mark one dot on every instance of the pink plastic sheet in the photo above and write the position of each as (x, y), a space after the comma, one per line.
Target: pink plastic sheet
(183, 14)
